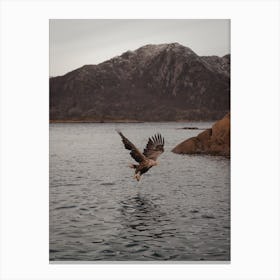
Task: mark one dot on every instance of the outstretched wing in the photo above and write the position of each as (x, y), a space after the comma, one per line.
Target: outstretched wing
(154, 147)
(135, 153)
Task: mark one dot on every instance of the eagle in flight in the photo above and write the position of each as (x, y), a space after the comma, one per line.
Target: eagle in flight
(147, 159)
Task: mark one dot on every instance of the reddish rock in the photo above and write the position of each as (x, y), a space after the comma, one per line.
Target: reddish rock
(214, 141)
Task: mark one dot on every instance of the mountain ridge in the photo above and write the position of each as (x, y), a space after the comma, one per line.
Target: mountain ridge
(165, 82)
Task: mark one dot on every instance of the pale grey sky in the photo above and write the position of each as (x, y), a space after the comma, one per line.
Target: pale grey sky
(74, 43)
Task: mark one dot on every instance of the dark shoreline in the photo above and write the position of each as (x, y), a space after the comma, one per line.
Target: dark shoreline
(92, 121)
(128, 121)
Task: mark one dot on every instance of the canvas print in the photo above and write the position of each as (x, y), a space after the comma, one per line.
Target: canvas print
(139, 140)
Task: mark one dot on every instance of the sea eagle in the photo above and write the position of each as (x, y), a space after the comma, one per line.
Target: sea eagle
(147, 159)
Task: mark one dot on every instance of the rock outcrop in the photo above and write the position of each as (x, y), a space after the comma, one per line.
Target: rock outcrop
(166, 82)
(214, 141)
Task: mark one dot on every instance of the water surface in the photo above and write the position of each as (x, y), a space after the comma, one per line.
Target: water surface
(179, 211)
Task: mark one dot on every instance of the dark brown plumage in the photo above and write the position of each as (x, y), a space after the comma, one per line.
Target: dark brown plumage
(154, 147)
(147, 159)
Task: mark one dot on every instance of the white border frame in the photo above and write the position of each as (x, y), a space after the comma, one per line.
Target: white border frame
(255, 138)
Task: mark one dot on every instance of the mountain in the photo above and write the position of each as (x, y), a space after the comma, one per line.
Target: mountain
(165, 82)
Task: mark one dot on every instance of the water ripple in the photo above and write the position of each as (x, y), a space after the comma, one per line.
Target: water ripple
(179, 211)
(65, 207)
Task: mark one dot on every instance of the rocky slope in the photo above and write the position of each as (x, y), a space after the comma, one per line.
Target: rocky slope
(215, 141)
(164, 82)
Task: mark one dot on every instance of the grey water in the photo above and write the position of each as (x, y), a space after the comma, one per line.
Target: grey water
(179, 211)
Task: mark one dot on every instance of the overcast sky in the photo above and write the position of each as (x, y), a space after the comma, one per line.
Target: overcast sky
(74, 43)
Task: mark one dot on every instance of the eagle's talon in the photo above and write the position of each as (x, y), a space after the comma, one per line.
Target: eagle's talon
(137, 176)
